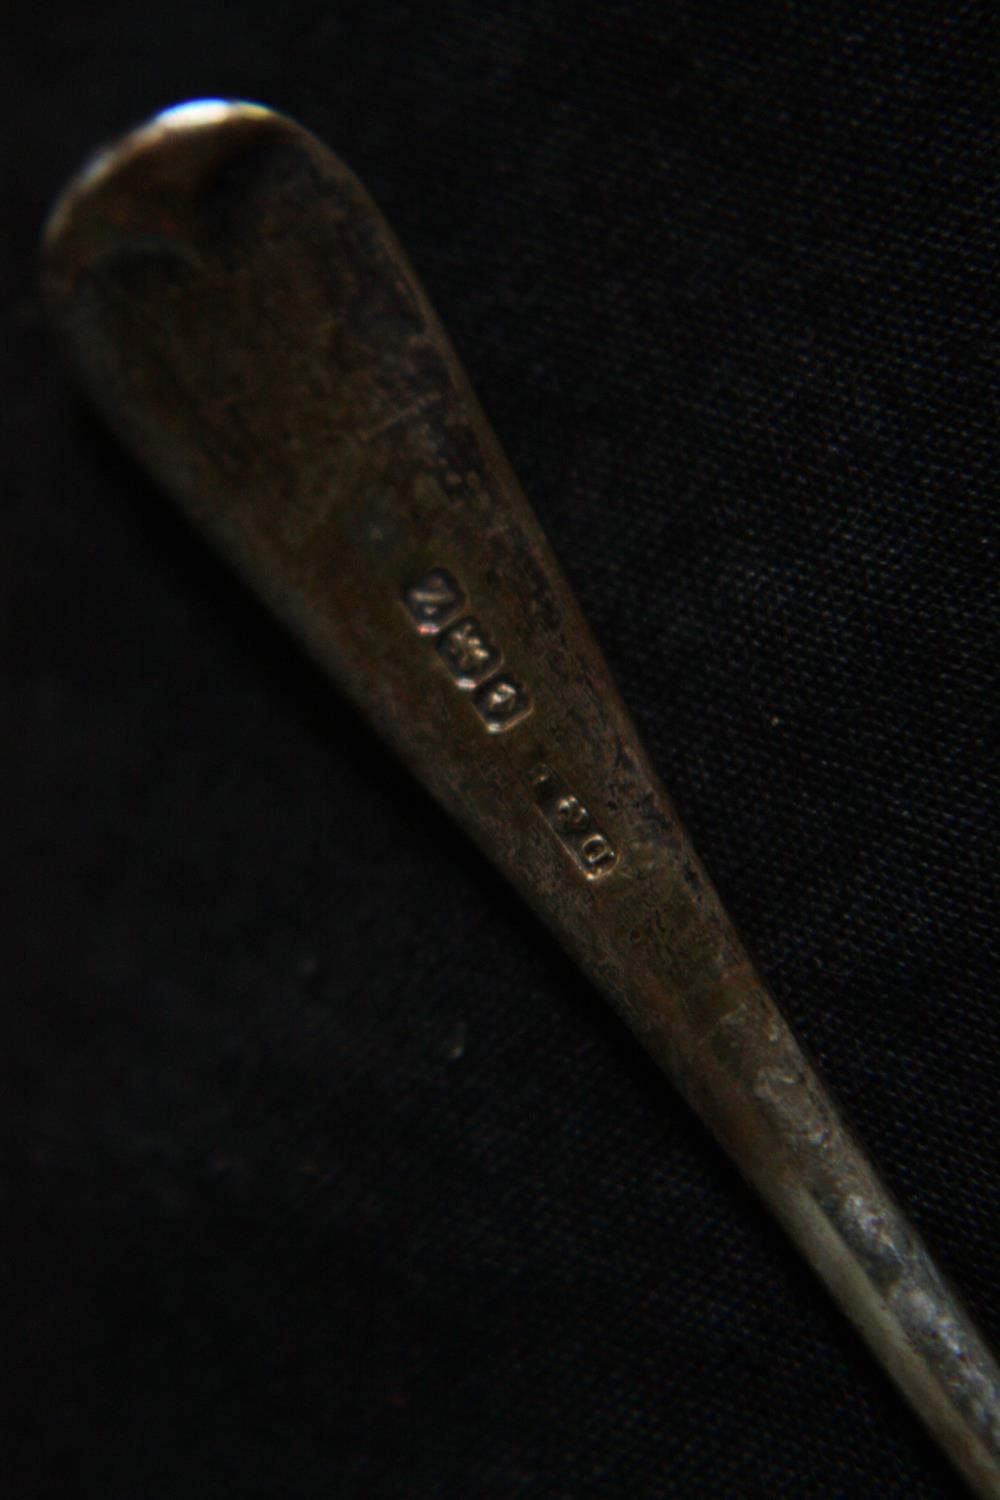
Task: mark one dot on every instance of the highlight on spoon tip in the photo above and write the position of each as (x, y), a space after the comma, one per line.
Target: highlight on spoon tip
(132, 184)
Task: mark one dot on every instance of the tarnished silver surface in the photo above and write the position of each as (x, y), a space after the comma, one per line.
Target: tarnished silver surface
(249, 327)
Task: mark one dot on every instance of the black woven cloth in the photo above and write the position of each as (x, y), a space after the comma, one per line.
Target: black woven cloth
(323, 1172)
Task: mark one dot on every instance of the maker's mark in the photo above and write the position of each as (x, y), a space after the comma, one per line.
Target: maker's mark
(572, 822)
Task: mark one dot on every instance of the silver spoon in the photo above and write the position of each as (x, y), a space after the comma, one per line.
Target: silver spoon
(248, 325)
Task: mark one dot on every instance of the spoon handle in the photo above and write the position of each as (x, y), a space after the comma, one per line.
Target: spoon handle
(248, 325)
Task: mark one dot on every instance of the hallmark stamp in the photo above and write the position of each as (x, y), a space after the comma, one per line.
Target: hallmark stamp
(436, 605)
(435, 600)
(468, 654)
(572, 822)
(501, 702)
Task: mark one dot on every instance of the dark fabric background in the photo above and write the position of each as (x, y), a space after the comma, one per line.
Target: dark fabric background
(323, 1173)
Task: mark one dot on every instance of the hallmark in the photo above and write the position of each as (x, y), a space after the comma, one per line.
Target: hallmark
(502, 702)
(468, 654)
(572, 822)
(434, 601)
(437, 606)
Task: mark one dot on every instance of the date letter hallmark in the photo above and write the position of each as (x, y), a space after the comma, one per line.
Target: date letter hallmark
(436, 605)
(572, 823)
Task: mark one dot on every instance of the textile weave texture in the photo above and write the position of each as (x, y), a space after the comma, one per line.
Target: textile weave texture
(324, 1174)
